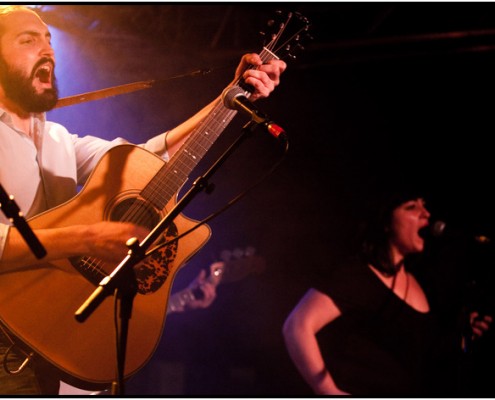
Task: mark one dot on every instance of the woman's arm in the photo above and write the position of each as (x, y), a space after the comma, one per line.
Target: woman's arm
(312, 313)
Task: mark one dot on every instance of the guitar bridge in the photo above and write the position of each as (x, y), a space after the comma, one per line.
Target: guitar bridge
(89, 268)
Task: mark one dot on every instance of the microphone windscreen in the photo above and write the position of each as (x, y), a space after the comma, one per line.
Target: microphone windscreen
(438, 228)
(230, 94)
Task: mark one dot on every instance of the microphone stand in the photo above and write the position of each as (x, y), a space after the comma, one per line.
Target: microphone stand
(14, 214)
(122, 280)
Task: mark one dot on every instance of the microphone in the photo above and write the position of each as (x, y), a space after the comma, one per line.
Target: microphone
(234, 98)
(440, 229)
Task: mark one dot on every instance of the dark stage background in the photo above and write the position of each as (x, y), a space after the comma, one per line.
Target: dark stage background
(383, 91)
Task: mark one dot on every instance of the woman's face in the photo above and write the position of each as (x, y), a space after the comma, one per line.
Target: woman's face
(407, 219)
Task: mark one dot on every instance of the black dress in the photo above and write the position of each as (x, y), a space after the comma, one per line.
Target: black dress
(379, 346)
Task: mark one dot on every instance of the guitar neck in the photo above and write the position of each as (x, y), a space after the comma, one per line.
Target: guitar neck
(175, 173)
(179, 300)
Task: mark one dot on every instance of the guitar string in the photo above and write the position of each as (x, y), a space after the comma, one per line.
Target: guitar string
(135, 213)
(219, 119)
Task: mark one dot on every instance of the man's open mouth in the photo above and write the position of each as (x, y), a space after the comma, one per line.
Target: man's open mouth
(44, 73)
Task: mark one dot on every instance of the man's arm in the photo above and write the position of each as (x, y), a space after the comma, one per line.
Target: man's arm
(106, 240)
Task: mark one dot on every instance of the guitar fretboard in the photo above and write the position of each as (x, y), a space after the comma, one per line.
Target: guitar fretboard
(174, 174)
(179, 300)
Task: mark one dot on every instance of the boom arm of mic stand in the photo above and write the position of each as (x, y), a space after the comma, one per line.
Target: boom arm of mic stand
(14, 214)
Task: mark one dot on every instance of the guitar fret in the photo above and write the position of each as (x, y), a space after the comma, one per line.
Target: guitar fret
(268, 54)
(174, 174)
(180, 299)
(161, 189)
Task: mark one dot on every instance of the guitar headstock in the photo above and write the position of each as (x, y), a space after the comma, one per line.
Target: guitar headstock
(236, 264)
(284, 38)
(286, 34)
(233, 265)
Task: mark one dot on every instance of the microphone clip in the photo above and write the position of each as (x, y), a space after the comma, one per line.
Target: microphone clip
(234, 98)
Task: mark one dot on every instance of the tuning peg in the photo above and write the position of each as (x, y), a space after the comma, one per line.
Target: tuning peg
(225, 255)
(250, 251)
(238, 253)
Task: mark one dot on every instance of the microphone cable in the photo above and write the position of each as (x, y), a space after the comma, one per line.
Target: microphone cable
(229, 204)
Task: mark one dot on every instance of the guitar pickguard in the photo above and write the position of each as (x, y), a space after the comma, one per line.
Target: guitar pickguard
(152, 273)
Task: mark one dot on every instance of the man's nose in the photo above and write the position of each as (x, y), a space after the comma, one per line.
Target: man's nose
(47, 50)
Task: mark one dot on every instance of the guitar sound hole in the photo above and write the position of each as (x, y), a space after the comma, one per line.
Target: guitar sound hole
(136, 211)
(129, 210)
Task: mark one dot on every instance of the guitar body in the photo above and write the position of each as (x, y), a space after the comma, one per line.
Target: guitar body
(38, 303)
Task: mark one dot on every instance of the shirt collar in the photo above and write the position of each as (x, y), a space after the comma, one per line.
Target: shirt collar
(6, 118)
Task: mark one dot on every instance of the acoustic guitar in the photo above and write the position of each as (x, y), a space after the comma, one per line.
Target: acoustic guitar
(37, 303)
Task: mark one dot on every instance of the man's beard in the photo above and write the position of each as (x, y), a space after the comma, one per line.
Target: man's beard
(20, 90)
